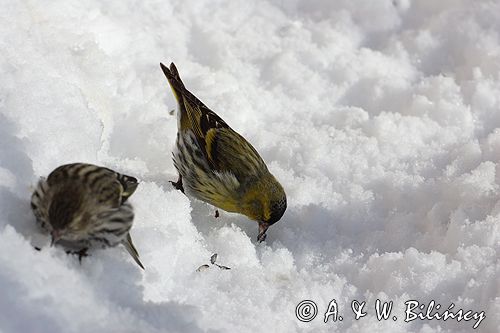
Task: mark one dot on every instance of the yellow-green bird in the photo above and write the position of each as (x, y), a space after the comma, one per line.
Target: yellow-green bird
(218, 166)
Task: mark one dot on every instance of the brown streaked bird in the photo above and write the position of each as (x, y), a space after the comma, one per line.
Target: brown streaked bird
(83, 205)
(219, 166)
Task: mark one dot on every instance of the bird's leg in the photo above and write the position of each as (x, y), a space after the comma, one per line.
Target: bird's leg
(178, 184)
(81, 253)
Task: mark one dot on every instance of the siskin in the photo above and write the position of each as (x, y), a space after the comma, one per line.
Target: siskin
(218, 166)
(83, 205)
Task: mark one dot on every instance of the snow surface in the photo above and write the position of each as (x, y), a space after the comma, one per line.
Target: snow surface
(380, 118)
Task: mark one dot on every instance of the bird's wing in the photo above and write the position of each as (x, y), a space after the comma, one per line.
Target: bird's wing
(106, 186)
(230, 152)
(221, 145)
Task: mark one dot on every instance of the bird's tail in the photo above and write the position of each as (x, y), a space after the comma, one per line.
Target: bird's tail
(189, 105)
(127, 242)
(174, 80)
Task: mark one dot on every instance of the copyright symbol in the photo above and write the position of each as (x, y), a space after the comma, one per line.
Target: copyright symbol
(306, 311)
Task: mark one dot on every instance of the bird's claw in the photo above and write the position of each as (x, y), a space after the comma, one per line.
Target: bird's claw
(81, 253)
(178, 184)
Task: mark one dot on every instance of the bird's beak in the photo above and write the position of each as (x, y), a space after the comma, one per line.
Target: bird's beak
(56, 235)
(262, 231)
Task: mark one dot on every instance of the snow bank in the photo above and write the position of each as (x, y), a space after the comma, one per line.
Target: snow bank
(381, 119)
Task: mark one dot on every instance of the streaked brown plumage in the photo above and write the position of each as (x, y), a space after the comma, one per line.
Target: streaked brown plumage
(83, 205)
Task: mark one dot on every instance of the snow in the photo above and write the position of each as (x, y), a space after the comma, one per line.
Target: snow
(380, 118)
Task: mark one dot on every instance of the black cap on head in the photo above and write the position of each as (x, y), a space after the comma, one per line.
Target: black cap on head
(277, 210)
